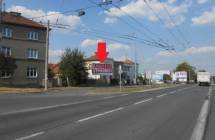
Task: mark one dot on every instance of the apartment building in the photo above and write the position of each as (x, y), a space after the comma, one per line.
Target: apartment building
(24, 40)
(110, 69)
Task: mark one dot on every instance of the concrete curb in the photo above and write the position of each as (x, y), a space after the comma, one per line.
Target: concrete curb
(199, 129)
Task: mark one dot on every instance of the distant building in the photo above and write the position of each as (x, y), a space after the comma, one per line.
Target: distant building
(57, 79)
(157, 76)
(24, 40)
(128, 71)
(110, 69)
(97, 71)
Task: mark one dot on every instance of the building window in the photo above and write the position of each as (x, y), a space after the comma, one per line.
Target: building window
(7, 32)
(32, 72)
(6, 51)
(5, 74)
(32, 53)
(33, 35)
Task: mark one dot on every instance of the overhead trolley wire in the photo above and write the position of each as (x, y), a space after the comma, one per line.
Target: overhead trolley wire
(125, 22)
(162, 21)
(140, 24)
(173, 22)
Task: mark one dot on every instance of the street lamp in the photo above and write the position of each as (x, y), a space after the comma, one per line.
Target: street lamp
(81, 13)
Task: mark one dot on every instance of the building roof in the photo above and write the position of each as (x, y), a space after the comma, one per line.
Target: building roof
(55, 68)
(17, 19)
(94, 58)
(126, 61)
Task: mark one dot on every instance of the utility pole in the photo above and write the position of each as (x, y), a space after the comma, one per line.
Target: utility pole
(1, 2)
(135, 66)
(47, 56)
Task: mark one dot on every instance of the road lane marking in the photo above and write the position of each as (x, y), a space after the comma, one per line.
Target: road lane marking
(124, 94)
(52, 106)
(143, 101)
(199, 129)
(45, 107)
(101, 114)
(172, 92)
(161, 95)
(109, 97)
(30, 136)
(185, 88)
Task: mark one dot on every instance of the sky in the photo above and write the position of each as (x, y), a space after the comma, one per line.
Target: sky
(127, 26)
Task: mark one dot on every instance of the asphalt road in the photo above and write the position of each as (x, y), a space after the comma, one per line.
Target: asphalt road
(210, 135)
(167, 114)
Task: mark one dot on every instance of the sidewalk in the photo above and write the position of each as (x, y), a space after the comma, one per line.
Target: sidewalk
(84, 90)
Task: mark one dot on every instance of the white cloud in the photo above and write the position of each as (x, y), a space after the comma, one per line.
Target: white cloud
(202, 1)
(207, 17)
(200, 57)
(112, 47)
(189, 51)
(140, 9)
(110, 20)
(121, 58)
(89, 43)
(117, 47)
(71, 20)
(54, 55)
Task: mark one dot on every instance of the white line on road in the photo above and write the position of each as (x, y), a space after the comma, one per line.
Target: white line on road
(124, 94)
(30, 136)
(172, 92)
(161, 95)
(45, 107)
(185, 88)
(143, 101)
(109, 97)
(101, 114)
(199, 129)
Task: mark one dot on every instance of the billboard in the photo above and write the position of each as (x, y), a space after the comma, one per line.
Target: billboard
(148, 75)
(162, 72)
(104, 69)
(181, 76)
(157, 77)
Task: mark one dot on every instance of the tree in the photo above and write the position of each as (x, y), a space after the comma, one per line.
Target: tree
(188, 68)
(213, 78)
(7, 64)
(140, 79)
(72, 66)
(167, 77)
(50, 73)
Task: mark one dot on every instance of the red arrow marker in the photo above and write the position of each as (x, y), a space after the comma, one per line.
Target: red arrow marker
(101, 53)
